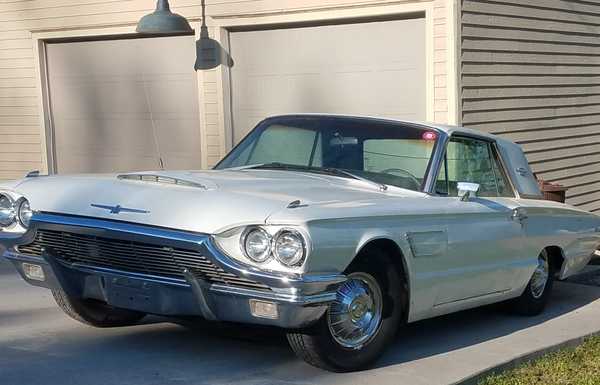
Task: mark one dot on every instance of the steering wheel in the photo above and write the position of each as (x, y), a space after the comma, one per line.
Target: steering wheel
(395, 171)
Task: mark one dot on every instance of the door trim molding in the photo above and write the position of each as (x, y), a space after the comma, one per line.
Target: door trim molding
(473, 298)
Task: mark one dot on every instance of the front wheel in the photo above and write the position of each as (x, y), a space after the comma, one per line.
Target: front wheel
(360, 323)
(535, 297)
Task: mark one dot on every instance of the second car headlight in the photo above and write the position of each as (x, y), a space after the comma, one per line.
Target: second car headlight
(7, 211)
(289, 247)
(24, 213)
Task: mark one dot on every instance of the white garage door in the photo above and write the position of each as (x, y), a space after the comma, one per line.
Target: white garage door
(124, 105)
(375, 68)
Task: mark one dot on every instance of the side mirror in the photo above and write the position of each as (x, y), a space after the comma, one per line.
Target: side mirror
(467, 190)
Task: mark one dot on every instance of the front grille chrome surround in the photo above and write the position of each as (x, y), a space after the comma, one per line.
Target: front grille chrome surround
(131, 256)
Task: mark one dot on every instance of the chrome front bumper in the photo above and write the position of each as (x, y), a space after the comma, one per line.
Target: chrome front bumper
(300, 299)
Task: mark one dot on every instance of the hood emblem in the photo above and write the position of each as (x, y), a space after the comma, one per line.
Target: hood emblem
(119, 209)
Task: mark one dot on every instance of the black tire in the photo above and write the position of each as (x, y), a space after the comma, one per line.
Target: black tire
(317, 346)
(95, 313)
(528, 304)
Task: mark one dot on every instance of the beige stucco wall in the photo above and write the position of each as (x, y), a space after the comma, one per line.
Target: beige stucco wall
(23, 24)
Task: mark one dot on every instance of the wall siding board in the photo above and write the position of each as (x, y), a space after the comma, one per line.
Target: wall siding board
(587, 171)
(525, 24)
(530, 12)
(555, 147)
(529, 102)
(586, 199)
(509, 115)
(526, 46)
(530, 72)
(547, 125)
(583, 7)
(528, 58)
(580, 181)
(480, 93)
(561, 153)
(542, 36)
(530, 69)
(576, 191)
(589, 136)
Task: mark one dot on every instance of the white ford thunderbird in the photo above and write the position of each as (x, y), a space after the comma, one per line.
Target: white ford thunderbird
(337, 229)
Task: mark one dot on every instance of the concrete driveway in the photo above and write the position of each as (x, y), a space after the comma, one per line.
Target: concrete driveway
(40, 345)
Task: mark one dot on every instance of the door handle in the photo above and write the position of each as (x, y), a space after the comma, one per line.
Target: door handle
(519, 214)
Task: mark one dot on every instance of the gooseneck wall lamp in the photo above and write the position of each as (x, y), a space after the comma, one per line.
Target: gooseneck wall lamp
(163, 21)
(209, 53)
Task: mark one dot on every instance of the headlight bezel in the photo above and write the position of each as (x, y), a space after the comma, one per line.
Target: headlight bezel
(12, 217)
(298, 260)
(244, 247)
(19, 212)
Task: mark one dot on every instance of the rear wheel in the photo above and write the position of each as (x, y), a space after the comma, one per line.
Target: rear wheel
(360, 323)
(95, 313)
(535, 297)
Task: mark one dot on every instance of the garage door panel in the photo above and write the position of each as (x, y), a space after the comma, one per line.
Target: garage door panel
(125, 98)
(178, 144)
(120, 163)
(125, 57)
(81, 100)
(111, 136)
(375, 68)
(110, 99)
(175, 97)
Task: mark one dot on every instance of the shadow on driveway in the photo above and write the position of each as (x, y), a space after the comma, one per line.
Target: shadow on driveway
(40, 345)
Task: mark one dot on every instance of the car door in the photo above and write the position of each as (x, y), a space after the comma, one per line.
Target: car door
(485, 232)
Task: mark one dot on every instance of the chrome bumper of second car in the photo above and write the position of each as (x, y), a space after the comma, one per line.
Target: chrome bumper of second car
(299, 300)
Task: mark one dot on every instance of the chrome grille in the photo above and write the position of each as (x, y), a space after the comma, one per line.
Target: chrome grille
(129, 256)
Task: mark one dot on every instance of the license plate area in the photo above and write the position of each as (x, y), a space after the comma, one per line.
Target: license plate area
(131, 293)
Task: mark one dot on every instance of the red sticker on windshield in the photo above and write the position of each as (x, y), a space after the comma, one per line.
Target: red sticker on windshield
(429, 135)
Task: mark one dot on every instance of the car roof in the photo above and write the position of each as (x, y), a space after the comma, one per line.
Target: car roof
(446, 128)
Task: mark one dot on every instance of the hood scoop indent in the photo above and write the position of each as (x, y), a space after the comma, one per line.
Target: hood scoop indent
(161, 179)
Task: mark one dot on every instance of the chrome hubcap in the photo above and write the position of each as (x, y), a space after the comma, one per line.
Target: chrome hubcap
(540, 276)
(354, 317)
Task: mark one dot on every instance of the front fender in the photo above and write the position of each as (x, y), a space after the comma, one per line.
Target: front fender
(401, 242)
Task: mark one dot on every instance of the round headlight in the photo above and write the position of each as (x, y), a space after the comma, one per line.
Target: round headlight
(7, 211)
(25, 213)
(289, 247)
(256, 244)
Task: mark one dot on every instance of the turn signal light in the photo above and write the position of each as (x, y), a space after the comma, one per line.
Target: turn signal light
(264, 309)
(34, 272)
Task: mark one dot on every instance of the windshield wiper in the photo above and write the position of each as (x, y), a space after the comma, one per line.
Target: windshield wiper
(340, 172)
(320, 170)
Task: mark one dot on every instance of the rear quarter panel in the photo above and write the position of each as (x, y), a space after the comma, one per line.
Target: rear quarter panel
(575, 231)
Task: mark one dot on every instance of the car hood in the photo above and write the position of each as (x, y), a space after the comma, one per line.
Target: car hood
(200, 201)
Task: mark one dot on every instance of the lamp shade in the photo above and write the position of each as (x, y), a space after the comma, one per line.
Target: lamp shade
(163, 21)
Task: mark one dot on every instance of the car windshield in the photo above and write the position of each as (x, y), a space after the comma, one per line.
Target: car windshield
(384, 152)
